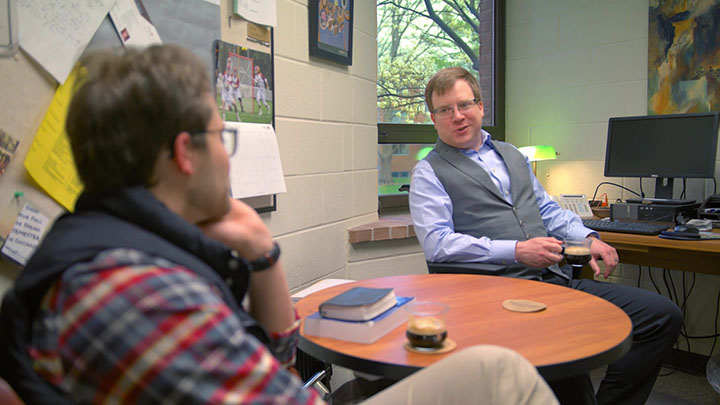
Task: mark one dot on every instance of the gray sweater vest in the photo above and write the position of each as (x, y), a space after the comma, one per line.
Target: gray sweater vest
(479, 209)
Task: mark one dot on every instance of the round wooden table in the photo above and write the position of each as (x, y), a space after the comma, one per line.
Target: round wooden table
(575, 334)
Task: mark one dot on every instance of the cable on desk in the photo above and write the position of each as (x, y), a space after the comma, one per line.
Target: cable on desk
(682, 195)
(683, 307)
(672, 369)
(617, 185)
(672, 294)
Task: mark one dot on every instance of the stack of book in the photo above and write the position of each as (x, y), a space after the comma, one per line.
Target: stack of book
(361, 315)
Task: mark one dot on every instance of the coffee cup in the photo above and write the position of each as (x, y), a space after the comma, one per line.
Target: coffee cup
(426, 328)
(577, 251)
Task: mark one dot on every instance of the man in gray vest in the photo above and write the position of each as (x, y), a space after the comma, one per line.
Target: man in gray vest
(474, 199)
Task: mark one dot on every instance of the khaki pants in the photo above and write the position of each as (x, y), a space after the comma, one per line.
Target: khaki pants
(477, 375)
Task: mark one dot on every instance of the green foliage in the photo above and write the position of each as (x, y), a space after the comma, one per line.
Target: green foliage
(413, 44)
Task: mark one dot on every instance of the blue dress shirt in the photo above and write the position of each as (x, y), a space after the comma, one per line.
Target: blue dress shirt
(431, 211)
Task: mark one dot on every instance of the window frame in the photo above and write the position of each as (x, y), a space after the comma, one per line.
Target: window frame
(425, 133)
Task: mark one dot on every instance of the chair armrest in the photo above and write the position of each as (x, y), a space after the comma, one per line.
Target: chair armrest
(466, 268)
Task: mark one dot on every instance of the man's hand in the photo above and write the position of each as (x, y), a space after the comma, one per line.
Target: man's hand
(241, 229)
(538, 252)
(608, 254)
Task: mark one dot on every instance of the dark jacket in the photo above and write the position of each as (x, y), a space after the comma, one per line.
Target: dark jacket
(131, 218)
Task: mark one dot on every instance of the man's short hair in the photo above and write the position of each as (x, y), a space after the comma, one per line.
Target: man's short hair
(128, 107)
(445, 79)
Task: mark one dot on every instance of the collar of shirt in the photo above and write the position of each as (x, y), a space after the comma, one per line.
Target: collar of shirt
(488, 158)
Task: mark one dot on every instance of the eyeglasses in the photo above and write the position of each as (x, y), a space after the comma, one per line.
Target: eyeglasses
(228, 136)
(447, 111)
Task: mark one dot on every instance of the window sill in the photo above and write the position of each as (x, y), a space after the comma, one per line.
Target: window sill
(386, 228)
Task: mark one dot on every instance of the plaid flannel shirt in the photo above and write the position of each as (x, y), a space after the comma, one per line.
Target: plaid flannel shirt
(132, 328)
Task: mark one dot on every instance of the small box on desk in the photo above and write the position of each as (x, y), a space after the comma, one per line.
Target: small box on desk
(661, 213)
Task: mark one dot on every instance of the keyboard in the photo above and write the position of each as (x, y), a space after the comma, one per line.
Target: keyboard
(642, 228)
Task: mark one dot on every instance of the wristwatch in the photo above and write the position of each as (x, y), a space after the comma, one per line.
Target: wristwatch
(262, 263)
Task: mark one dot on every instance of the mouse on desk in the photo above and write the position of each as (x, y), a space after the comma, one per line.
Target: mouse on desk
(687, 229)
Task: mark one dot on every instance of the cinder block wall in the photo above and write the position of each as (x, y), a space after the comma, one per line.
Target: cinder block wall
(571, 65)
(327, 133)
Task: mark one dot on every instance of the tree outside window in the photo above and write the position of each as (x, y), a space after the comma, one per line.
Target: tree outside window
(416, 38)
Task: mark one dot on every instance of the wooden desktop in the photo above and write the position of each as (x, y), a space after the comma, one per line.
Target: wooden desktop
(699, 256)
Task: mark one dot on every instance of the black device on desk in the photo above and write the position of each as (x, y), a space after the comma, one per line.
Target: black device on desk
(664, 213)
(642, 228)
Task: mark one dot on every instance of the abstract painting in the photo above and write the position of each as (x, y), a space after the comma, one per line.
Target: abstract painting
(683, 56)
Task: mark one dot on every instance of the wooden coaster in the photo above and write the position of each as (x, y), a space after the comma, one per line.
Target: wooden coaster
(447, 345)
(523, 305)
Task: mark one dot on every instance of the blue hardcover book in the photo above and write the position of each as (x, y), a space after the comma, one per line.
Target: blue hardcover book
(358, 331)
(358, 304)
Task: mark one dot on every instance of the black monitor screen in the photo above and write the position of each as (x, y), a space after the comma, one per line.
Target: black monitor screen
(662, 146)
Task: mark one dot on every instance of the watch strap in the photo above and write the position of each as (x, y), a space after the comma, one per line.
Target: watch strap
(262, 263)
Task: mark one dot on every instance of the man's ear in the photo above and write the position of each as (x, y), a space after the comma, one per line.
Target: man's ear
(183, 152)
(432, 117)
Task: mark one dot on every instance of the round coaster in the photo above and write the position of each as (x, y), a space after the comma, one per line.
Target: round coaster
(523, 305)
(447, 345)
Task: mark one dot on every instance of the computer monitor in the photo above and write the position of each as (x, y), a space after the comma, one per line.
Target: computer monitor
(662, 147)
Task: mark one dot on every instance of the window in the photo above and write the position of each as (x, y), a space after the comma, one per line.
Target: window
(416, 40)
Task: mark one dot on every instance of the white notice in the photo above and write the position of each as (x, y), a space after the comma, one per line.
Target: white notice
(255, 169)
(56, 32)
(25, 234)
(263, 12)
(134, 28)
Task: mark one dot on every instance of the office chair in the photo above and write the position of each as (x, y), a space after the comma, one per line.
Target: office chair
(466, 268)
(314, 373)
(316, 381)
(486, 269)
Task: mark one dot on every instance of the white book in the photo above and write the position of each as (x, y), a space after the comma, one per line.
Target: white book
(320, 285)
(358, 331)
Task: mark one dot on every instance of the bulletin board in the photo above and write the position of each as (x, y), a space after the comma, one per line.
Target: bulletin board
(28, 89)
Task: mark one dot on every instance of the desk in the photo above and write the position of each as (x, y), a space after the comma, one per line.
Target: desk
(702, 256)
(578, 332)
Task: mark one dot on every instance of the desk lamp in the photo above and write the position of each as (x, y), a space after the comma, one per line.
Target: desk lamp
(538, 152)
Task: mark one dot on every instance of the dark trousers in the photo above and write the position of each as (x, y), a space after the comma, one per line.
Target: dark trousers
(656, 325)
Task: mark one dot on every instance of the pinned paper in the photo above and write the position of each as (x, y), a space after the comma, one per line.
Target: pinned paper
(49, 161)
(56, 32)
(25, 235)
(263, 12)
(8, 146)
(133, 24)
(255, 168)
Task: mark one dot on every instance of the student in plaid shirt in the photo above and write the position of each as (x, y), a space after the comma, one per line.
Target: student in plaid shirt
(134, 298)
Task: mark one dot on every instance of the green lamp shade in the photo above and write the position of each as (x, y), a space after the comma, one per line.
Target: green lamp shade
(423, 152)
(538, 152)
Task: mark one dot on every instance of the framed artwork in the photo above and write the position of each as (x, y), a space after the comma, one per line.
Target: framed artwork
(683, 57)
(331, 30)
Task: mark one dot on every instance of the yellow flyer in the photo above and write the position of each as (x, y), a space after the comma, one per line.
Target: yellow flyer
(49, 161)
